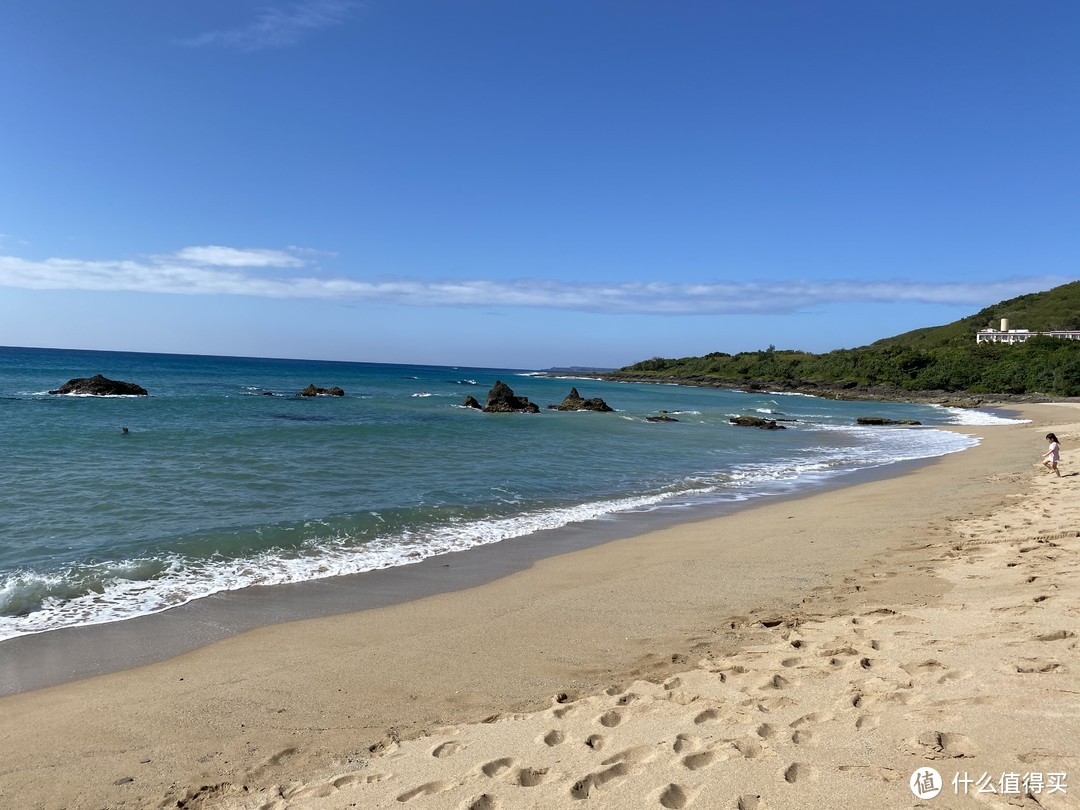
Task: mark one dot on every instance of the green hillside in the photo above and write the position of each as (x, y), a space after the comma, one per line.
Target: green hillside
(1054, 309)
(942, 358)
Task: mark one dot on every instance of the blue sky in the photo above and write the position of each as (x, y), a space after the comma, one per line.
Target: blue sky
(528, 183)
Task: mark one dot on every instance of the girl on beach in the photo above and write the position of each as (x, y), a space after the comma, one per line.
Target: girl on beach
(1053, 455)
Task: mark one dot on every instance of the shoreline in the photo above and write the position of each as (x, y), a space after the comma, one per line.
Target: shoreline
(58, 656)
(305, 714)
(829, 390)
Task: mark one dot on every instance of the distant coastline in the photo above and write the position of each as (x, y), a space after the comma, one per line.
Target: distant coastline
(826, 390)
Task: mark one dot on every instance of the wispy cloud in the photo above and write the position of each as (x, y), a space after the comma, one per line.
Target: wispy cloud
(278, 26)
(218, 256)
(217, 270)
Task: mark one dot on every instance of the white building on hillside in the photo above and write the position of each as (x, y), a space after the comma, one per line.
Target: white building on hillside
(1007, 335)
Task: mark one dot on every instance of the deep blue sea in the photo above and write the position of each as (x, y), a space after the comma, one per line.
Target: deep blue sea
(217, 486)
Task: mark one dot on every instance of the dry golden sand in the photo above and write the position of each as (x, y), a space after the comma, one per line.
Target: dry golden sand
(808, 653)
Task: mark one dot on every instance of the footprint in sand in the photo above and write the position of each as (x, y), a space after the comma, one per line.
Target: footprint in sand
(485, 801)
(861, 701)
(811, 719)
(695, 762)
(497, 766)
(610, 719)
(751, 802)
(1034, 666)
(585, 786)
(674, 797)
(954, 675)
(635, 755)
(706, 716)
(553, 738)
(682, 698)
(834, 651)
(1057, 635)
(686, 742)
(928, 667)
(947, 745)
(799, 772)
(867, 722)
(428, 789)
(531, 777)
(595, 742)
(347, 781)
(446, 749)
(777, 682)
(803, 726)
(750, 749)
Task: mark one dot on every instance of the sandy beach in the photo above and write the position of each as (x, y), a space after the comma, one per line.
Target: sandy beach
(803, 653)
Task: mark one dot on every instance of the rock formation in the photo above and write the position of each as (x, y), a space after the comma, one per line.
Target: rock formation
(501, 399)
(575, 402)
(880, 420)
(470, 402)
(757, 422)
(99, 386)
(312, 391)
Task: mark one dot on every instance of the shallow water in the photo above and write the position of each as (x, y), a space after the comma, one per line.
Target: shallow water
(219, 486)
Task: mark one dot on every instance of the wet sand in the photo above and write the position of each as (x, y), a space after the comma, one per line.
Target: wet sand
(802, 653)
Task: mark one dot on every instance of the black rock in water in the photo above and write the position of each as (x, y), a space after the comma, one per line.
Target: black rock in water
(99, 386)
(312, 391)
(757, 422)
(575, 402)
(502, 399)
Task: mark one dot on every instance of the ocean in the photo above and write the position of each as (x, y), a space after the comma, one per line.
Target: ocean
(217, 485)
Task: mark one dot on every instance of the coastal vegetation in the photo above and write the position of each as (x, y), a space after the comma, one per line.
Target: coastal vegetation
(944, 358)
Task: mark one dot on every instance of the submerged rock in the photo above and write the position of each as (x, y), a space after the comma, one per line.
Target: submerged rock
(99, 386)
(661, 418)
(575, 402)
(312, 391)
(756, 422)
(502, 399)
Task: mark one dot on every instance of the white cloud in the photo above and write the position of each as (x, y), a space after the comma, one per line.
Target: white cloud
(218, 256)
(217, 270)
(279, 26)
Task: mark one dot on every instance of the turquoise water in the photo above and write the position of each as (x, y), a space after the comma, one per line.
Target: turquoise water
(218, 486)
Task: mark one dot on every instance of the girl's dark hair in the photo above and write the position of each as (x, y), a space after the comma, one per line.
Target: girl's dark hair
(1052, 437)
